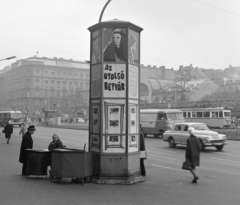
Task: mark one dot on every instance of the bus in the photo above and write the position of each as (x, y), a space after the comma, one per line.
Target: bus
(217, 117)
(13, 117)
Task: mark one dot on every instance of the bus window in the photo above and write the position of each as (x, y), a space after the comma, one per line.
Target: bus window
(194, 114)
(189, 114)
(184, 114)
(220, 114)
(227, 114)
(206, 114)
(214, 114)
(199, 114)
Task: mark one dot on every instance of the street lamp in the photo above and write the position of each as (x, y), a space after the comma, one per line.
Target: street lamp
(9, 58)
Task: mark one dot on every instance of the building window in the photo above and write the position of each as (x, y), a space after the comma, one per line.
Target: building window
(37, 83)
(58, 84)
(75, 85)
(87, 86)
(87, 76)
(45, 83)
(81, 76)
(64, 84)
(46, 73)
(38, 72)
(52, 83)
(52, 73)
(69, 85)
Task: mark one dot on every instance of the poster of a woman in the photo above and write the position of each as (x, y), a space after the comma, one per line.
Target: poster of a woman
(115, 49)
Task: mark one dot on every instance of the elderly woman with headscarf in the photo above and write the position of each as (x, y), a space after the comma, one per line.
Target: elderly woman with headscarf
(193, 152)
(56, 143)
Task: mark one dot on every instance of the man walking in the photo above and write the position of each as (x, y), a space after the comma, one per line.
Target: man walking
(8, 131)
(27, 143)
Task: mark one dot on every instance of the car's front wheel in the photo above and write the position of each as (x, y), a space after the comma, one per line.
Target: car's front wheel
(171, 142)
(219, 147)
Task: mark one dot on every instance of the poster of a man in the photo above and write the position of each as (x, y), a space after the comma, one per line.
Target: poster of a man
(115, 50)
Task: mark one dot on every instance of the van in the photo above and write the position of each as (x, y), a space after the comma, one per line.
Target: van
(157, 121)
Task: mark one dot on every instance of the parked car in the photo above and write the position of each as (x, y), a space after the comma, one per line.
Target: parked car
(208, 138)
(80, 120)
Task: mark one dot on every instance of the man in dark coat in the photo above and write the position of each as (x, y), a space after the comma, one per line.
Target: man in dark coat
(142, 148)
(27, 143)
(193, 152)
(8, 131)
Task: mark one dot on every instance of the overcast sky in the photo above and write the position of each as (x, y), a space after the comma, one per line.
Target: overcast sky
(204, 33)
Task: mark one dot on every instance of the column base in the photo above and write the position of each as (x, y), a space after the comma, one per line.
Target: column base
(124, 180)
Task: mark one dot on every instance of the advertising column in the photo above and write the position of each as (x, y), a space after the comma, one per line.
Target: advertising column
(114, 102)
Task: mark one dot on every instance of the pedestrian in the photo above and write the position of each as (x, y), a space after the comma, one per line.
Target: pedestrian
(27, 143)
(55, 144)
(143, 150)
(193, 153)
(23, 129)
(8, 130)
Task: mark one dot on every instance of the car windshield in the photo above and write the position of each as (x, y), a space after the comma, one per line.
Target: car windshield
(199, 126)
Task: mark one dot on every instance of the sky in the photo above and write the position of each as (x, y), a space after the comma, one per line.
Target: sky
(204, 33)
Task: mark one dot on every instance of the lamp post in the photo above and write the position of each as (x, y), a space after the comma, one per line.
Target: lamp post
(9, 58)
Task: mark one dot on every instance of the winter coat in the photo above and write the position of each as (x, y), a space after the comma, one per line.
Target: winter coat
(27, 143)
(8, 131)
(193, 150)
(142, 140)
(55, 145)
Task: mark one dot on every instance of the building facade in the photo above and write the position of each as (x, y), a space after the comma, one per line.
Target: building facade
(35, 84)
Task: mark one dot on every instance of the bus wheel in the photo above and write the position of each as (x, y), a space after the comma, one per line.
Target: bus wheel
(219, 147)
(171, 142)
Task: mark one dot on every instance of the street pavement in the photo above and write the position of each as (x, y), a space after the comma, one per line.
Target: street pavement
(164, 184)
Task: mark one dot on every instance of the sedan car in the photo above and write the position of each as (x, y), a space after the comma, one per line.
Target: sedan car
(80, 120)
(179, 134)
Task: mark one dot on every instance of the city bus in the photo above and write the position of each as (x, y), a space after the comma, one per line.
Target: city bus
(217, 117)
(13, 117)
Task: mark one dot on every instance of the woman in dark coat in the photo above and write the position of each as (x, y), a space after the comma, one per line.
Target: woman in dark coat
(27, 143)
(193, 152)
(56, 143)
(142, 148)
(8, 131)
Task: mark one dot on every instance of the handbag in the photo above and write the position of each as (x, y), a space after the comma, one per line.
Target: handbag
(143, 155)
(3, 131)
(186, 165)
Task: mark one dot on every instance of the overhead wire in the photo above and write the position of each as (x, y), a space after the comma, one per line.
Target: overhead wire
(200, 2)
